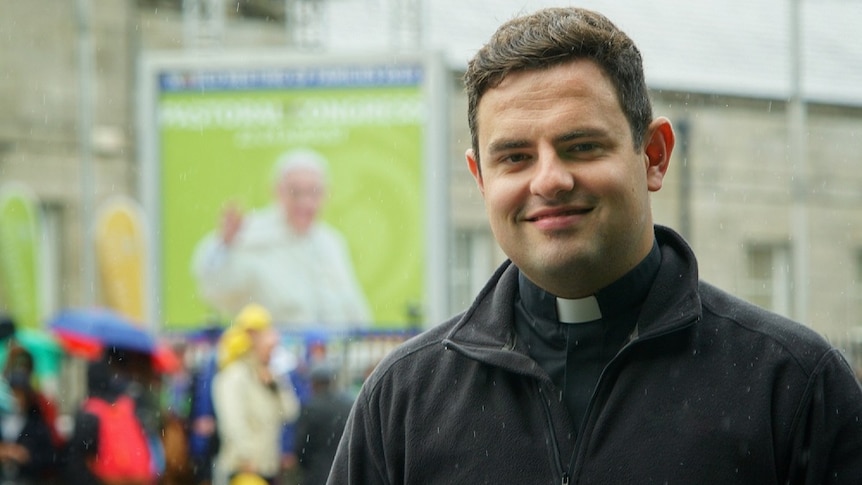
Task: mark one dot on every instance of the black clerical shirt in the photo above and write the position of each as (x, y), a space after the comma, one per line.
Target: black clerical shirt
(574, 354)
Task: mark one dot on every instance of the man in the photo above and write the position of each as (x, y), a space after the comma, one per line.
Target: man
(283, 257)
(595, 355)
(320, 424)
(27, 451)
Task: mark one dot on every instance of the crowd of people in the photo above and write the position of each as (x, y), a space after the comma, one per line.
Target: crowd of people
(116, 435)
(31, 451)
(236, 417)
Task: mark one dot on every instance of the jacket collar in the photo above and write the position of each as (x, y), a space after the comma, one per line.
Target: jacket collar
(673, 301)
(671, 304)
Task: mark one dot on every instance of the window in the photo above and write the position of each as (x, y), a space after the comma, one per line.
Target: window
(853, 344)
(50, 255)
(768, 277)
(855, 315)
(473, 260)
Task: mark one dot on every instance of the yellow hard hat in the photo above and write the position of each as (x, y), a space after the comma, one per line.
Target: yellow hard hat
(247, 479)
(253, 317)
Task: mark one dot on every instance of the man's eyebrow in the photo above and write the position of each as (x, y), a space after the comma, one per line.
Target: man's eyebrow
(574, 135)
(504, 145)
(514, 144)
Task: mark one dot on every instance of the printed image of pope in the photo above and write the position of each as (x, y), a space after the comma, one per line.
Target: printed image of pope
(283, 257)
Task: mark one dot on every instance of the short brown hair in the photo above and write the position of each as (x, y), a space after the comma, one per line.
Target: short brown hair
(554, 36)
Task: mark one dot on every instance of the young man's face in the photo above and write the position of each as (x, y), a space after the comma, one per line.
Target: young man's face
(566, 191)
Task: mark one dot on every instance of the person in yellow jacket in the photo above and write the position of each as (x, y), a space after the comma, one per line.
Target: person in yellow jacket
(251, 405)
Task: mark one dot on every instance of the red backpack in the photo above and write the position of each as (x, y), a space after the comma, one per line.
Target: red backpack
(122, 454)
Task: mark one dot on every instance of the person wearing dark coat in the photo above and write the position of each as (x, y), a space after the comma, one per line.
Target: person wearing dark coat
(320, 425)
(705, 389)
(27, 451)
(595, 354)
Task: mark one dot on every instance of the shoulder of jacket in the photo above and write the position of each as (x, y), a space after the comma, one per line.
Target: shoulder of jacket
(801, 343)
(422, 351)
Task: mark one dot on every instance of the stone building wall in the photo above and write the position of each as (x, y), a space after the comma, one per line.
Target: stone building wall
(738, 164)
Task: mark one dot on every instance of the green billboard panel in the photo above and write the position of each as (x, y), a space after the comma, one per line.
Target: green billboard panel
(219, 131)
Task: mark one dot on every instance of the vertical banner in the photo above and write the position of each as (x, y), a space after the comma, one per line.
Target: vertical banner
(219, 130)
(122, 257)
(19, 254)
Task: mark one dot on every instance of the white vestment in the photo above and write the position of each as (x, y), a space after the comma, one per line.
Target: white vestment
(303, 280)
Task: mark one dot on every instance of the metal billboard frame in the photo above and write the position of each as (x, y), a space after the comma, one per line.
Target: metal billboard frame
(436, 95)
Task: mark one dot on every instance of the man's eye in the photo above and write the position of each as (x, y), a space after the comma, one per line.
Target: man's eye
(516, 158)
(583, 147)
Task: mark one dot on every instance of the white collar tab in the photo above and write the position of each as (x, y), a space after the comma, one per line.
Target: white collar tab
(580, 310)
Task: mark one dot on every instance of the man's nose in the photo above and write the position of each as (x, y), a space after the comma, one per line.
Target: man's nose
(552, 176)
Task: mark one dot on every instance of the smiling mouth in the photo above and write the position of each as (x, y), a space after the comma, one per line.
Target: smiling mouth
(565, 213)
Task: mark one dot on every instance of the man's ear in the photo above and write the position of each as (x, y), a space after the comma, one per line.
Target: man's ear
(473, 165)
(657, 149)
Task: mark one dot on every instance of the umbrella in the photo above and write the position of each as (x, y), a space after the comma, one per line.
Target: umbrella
(101, 328)
(46, 351)
(88, 333)
(166, 360)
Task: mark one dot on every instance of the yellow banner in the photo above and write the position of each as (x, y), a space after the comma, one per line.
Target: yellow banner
(121, 255)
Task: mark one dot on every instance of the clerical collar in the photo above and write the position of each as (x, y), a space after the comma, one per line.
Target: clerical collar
(580, 310)
(620, 296)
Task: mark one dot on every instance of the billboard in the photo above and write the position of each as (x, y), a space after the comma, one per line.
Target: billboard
(213, 129)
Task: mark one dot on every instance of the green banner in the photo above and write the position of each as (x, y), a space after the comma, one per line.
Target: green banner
(19, 254)
(220, 133)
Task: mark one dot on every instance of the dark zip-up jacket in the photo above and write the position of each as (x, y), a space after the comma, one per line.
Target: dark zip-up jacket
(708, 390)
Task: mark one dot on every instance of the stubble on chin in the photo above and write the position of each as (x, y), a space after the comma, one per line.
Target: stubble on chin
(563, 270)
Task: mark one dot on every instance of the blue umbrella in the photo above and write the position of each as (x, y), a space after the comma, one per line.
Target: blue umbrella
(101, 328)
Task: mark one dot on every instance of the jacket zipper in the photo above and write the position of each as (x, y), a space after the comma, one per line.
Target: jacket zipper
(635, 339)
(557, 458)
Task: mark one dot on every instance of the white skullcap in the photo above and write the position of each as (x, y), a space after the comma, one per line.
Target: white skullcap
(300, 159)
